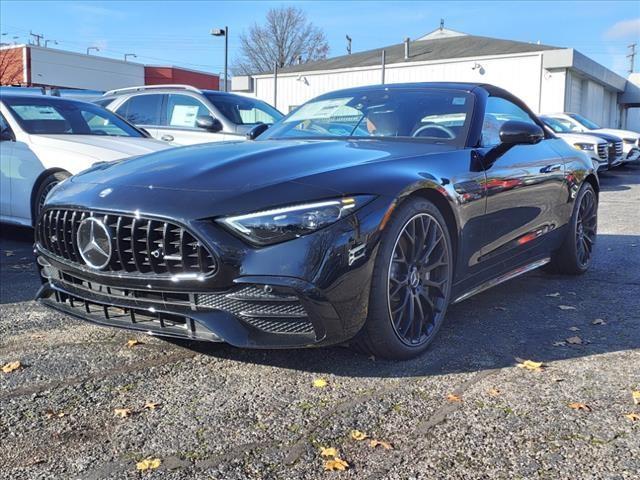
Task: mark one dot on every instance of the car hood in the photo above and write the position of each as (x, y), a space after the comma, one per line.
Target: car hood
(618, 133)
(100, 147)
(242, 166)
(580, 138)
(220, 178)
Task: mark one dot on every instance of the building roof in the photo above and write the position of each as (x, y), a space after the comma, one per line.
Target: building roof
(458, 46)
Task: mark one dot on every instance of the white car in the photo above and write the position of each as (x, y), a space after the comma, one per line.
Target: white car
(604, 150)
(578, 123)
(44, 140)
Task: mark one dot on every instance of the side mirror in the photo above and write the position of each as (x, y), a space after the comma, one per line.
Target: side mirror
(515, 132)
(207, 122)
(256, 131)
(6, 135)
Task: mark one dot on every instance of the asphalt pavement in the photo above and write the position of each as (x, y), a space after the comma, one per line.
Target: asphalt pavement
(85, 404)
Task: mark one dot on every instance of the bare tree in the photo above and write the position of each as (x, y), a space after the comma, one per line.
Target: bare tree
(11, 66)
(287, 37)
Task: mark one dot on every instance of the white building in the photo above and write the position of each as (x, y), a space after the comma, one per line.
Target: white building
(549, 79)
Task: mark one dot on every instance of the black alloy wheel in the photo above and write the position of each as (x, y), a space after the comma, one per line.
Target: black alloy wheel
(411, 283)
(586, 226)
(43, 190)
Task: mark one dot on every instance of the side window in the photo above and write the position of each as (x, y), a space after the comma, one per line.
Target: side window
(142, 109)
(182, 110)
(5, 129)
(497, 112)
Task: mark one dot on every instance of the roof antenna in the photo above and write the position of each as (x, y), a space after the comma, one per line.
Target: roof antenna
(441, 24)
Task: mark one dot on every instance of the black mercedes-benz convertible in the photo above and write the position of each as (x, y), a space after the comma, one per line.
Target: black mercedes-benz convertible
(355, 219)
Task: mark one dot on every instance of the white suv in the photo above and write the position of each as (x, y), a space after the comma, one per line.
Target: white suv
(44, 140)
(185, 115)
(578, 123)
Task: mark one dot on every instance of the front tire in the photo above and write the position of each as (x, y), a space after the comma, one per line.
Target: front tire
(46, 185)
(411, 284)
(576, 253)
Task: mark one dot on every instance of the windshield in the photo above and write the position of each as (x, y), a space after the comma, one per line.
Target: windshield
(584, 121)
(44, 116)
(431, 115)
(558, 126)
(244, 111)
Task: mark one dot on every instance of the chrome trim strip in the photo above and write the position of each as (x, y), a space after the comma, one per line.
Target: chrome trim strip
(503, 278)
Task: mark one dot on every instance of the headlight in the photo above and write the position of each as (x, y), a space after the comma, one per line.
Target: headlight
(629, 140)
(280, 224)
(584, 146)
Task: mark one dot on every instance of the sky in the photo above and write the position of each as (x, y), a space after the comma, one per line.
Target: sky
(177, 33)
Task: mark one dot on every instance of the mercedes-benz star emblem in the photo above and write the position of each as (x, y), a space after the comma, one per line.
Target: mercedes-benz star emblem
(94, 243)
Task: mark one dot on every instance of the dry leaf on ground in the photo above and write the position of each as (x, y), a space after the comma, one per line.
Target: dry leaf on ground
(566, 307)
(636, 396)
(11, 366)
(122, 412)
(151, 405)
(580, 406)
(598, 321)
(531, 365)
(494, 392)
(555, 294)
(335, 464)
(328, 452)
(148, 464)
(559, 344)
(50, 414)
(380, 443)
(634, 417)
(319, 383)
(574, 340)
(358, 435)
(452, 397)
(132, 343)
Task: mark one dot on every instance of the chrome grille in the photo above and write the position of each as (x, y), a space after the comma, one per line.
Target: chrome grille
(602, 151)
(139, 245)
(618, 148)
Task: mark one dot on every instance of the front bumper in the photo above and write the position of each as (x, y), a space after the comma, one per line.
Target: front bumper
(305, 292)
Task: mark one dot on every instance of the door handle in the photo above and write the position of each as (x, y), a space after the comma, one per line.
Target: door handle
(551, 168)
(167, 138)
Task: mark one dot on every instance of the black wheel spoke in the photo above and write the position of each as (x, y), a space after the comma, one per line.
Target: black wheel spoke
(586, 227)
(418, 282)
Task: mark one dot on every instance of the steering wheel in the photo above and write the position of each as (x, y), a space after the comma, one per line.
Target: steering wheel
(435, 126)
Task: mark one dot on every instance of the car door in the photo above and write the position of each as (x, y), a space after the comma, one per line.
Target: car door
(525, 190)
(180, 127)
(6, 152)
(143, 110)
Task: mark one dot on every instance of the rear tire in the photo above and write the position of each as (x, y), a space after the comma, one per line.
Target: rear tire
(46, 185)
(411, 283)
(575, 255)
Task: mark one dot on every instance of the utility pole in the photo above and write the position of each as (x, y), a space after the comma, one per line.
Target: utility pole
(275, 84)
(632, 56)
(383, 62)
(348, 45)
(38, 37)
(219, 32)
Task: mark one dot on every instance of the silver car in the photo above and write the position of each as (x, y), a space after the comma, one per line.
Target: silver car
(185, 115)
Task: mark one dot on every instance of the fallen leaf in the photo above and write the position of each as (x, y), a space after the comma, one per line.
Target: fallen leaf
(598, 321)
(132, 343)
(319, 383)
(494, 392)
(148, 464)
(574, 329)
(122, 412)
(380, 443)
(50, 414)
(566, 307)
(358, 435)
(555, 294)
(634, 417)
(580, 406)
(531, 365)
(151, 405)
(559, 344)
(502, 309)
(452, 397)
(636, 396)
(335, 464)
(11, 366)
(328, 452)
(574, 340)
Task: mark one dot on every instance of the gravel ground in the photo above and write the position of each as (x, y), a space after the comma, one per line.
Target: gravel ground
(225, 413)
